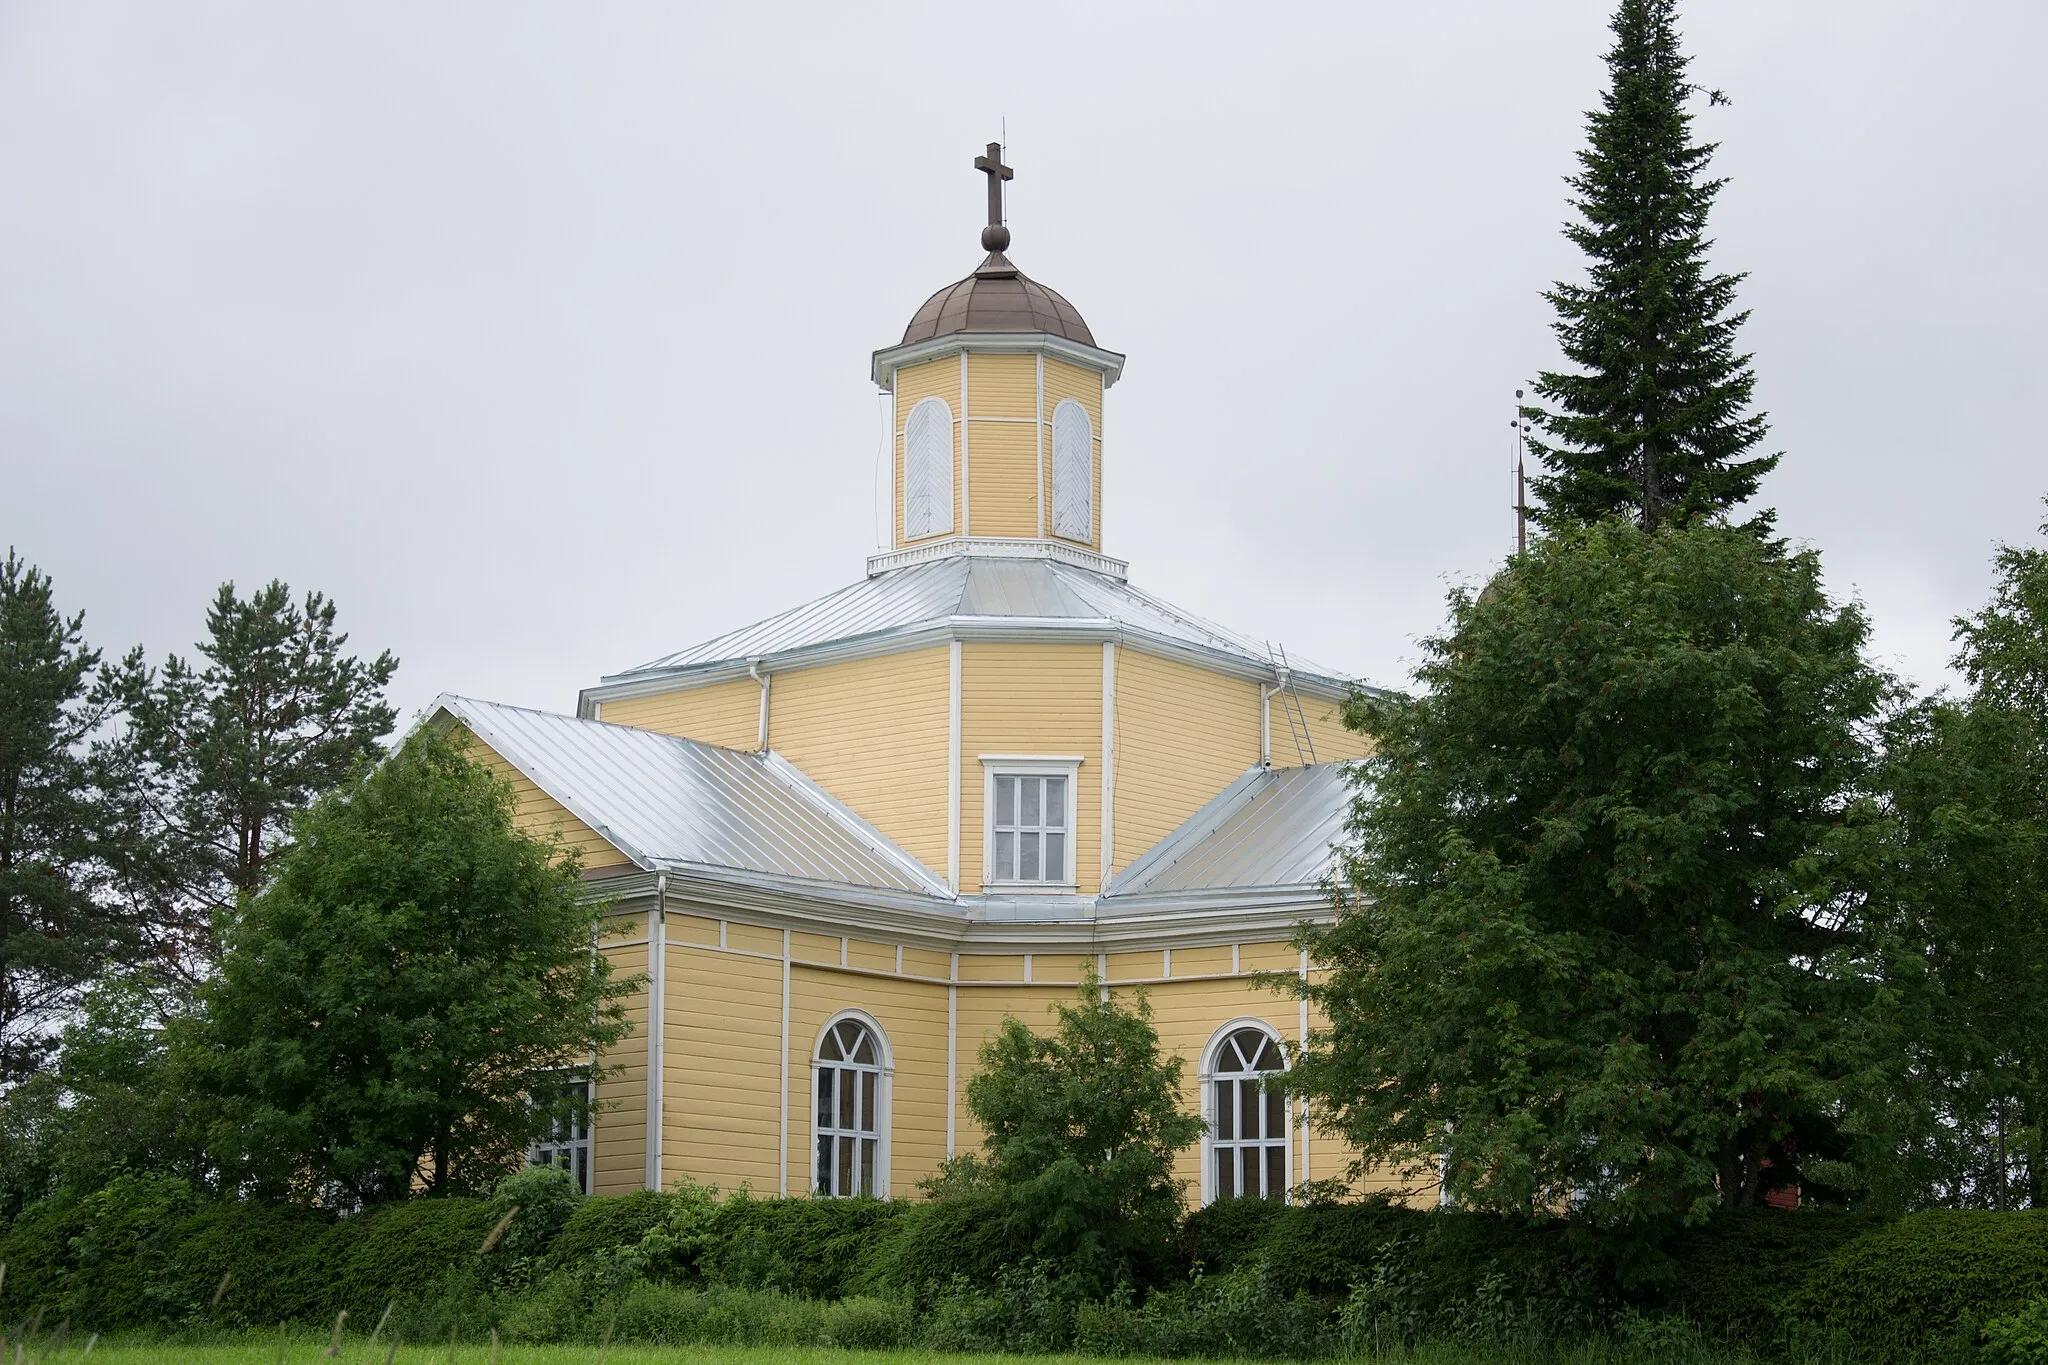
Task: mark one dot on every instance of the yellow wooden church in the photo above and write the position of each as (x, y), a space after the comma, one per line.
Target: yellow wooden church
(844, 843)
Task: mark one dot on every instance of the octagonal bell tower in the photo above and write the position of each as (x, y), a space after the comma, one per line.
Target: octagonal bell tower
(997, 390)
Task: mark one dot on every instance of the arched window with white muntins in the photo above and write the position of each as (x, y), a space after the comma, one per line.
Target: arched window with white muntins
(1250, 1129)
(1073, 472)
(850, 1119)
(928, 470)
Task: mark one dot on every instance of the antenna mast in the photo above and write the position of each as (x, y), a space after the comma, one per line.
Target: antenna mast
(1521, 499)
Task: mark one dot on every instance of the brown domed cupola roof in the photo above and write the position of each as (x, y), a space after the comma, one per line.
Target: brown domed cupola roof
(997, 297)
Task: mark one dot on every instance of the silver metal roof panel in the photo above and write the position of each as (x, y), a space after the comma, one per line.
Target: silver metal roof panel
(1270, 828)
(968, 591)
(669, 802)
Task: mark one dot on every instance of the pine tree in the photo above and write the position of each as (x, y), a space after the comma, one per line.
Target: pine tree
(55, 934)
(1655, 421)
(220, 758)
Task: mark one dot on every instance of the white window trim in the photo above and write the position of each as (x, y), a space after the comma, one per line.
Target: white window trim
(548, 1151)
(884, 1100)
(1030, 765)
(1207, 1073)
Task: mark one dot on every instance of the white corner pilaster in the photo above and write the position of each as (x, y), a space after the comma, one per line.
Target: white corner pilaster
(1108, 860)
(966, 516)
(782, 1145)
(953, 771)
(657, 1024)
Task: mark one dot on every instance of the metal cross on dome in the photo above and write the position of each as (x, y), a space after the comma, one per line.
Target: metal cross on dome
(995, 236)
(992, 166)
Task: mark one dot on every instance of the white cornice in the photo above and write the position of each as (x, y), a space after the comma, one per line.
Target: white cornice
(984, 547)
(888, 360)
(977, 924)
(976, 629)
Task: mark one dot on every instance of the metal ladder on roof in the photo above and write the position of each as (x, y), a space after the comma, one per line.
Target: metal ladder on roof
(1290, 702)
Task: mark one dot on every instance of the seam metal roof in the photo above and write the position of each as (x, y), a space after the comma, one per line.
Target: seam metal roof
(968, 589)
(669, 802)
(675, 804)
(1271, 827)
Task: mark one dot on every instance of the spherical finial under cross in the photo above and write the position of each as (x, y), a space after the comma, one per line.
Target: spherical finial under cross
(995, 237)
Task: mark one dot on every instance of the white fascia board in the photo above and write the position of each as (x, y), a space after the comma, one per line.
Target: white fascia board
(917, 921)
(1109, 364)
(978, 629)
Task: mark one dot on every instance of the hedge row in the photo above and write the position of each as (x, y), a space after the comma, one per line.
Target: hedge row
(1259, 1279)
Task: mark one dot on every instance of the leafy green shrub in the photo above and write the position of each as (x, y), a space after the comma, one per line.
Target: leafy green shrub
(102, 1260)
(925, 1249)
(870, 1324)
(675, 1315)
(403, 1250)
(1919, 1288)
(2018, 1338)
(1021, 1308)
(557, 1308)
(545, 1198)
(1242, 1314)
(37, 1253)
(803, 1246)
(1403, 1273)
(269, 1263)
(607, 1223)
(1731, 1275)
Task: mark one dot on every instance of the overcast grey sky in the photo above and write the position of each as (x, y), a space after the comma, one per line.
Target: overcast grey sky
(538, 335)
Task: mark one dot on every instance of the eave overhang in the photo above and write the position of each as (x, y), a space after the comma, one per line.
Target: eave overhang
(1103, 925)
(1109, 364)
(980, 629)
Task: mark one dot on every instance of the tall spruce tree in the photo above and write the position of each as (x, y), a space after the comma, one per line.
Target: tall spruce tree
(55, 932)
(1655, 420)
(220, 758)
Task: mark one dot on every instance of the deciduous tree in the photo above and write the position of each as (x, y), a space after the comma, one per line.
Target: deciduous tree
(385, 1008)
(1967, 781)
(1600, 944)
(1082, 1126)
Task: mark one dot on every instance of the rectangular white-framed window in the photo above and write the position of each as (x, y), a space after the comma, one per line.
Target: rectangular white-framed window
(566, 1143)
(1028, 823)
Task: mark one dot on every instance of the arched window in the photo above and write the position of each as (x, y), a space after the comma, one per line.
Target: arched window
(928, 470)
(1249, 1131)
(851, 1115)
(1073, 472)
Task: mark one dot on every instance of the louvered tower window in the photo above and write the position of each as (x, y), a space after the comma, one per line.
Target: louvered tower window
(851, 1098)
(1248, 1122)
(928, 470)
(1073, 472)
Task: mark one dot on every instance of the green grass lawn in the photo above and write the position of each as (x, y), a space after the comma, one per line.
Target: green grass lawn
(307, 1349)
